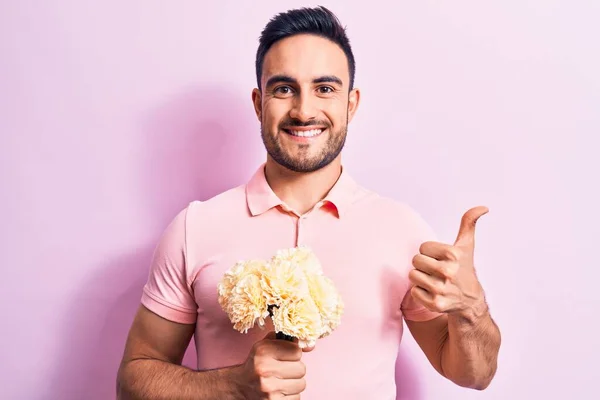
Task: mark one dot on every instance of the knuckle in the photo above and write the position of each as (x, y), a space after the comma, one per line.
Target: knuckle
(260, 350)
(267, 386)
(451, 270)
(262, 369)
(452, 253)
(439, 303)
(444, 270)
(441, 288)
(265, 351)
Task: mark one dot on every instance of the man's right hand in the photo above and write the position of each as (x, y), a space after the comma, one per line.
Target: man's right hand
(273, 370)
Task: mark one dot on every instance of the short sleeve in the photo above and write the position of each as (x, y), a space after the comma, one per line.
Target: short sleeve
(420, 232)
(167, 292)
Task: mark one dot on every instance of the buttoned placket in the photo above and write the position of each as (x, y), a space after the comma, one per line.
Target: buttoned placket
(301, 222)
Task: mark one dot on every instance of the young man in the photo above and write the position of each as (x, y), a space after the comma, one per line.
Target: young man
(378, 252)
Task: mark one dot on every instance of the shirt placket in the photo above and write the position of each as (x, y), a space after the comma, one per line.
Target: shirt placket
(300, 230)
(301, 224)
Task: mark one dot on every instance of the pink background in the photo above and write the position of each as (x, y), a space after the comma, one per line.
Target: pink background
(115, 114)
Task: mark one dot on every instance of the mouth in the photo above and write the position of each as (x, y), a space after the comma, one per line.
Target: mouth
(304, 133)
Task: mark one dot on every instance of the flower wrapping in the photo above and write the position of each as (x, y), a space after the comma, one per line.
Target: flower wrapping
(290, 288)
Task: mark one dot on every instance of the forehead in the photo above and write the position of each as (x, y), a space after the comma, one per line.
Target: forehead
(305, 57)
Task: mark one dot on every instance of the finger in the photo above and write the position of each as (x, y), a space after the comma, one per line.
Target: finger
(439, 251)
(270, 336)
(281, 350)
(291, 387)
(422, 296)
(441, 269)
(466, 232)
(291, 370)
(308, 349)
(286, 351)
(431, 283)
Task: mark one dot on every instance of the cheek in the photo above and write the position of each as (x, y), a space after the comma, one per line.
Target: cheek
(274, 112)
(336, 112)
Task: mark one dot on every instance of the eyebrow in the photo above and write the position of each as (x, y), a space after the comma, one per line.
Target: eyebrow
(288, 79)
(328, 79)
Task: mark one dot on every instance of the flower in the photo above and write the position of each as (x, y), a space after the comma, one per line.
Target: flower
(234, 275)
(300, 319)
(290, 288)
(301, 256)
(247, 304)
(283, 282)
(328, 302)
(240, 295)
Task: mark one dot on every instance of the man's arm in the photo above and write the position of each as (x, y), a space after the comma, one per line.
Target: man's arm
(151, 366)
(464, 350)
(463, 343)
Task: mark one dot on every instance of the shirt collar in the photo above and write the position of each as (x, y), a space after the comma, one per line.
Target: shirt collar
(261, 198)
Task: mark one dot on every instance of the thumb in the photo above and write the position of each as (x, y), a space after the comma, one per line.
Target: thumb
(308, 349)
(270, 336)
(466, 232)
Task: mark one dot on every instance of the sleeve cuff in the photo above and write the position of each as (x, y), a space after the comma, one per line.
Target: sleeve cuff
(420, 315)
(168, 311)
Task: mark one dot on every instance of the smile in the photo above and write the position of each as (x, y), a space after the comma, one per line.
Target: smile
(304, 133)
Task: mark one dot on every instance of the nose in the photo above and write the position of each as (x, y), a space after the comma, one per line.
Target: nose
(303, 108)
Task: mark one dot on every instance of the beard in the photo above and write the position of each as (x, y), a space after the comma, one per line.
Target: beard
(303, 162)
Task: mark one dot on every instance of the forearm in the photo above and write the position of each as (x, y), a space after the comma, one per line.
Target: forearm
(147, 379)
(470, 352)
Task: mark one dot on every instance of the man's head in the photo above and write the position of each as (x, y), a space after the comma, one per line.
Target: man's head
(305, 96)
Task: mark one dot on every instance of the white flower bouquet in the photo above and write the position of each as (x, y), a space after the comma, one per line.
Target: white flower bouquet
(290, 288)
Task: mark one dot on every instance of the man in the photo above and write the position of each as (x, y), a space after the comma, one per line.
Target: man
(379, 253)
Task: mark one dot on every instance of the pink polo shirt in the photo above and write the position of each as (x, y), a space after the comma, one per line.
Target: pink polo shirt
(365, 243)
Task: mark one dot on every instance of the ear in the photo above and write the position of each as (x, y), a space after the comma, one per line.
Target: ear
(257, 100)
(353, 101)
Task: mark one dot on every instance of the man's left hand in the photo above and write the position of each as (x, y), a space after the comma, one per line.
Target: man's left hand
(444, 275)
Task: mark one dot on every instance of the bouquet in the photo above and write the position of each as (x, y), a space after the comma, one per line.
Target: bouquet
(290, 288)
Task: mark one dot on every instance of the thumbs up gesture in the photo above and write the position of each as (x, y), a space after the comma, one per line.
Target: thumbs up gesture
(444, 275)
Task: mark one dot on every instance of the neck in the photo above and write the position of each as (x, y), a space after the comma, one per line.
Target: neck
(301, 190)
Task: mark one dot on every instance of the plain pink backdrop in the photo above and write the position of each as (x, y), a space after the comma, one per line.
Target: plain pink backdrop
(115, 114)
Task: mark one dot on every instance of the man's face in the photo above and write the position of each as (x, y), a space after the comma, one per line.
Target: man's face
(304, 106)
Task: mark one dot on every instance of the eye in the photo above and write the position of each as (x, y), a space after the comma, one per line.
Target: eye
(282, 90)
(325, 89)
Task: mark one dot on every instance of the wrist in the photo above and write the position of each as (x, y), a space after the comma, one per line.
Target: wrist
(472, 314)
(236, 382)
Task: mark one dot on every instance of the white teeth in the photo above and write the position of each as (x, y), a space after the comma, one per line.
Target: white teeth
(310, 133)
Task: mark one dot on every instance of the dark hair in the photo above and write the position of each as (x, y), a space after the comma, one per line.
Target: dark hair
(317, 21)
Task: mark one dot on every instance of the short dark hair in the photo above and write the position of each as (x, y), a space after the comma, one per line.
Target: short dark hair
(317, 21)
